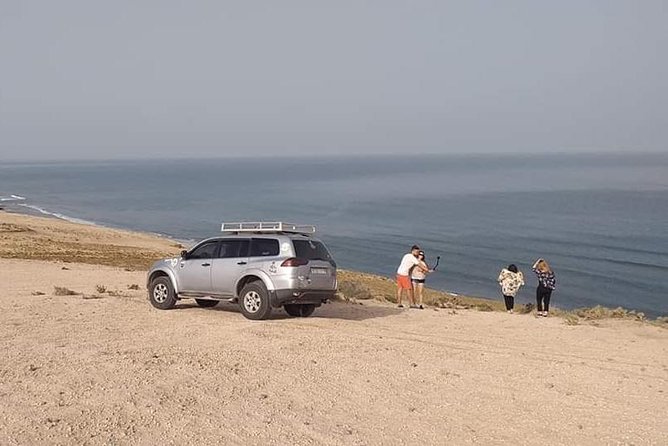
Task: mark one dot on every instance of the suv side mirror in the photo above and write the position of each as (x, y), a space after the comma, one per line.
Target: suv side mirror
(184, 254)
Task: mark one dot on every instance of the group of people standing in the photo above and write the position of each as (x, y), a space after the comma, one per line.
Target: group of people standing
(411, 275)
(413, 270)
(511, 280)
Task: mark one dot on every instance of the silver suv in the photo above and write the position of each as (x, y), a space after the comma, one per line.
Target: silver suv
(260, 265)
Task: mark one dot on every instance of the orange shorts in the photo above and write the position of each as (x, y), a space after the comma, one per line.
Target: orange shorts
(404, 282)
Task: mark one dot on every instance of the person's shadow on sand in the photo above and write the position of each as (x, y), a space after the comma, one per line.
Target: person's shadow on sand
(334, 310)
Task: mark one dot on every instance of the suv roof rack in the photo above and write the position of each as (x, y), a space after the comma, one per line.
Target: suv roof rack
(267, 226)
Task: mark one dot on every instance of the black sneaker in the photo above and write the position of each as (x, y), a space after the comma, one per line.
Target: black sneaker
(400, 306)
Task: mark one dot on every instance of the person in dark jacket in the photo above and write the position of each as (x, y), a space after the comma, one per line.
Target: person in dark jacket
(546, 284)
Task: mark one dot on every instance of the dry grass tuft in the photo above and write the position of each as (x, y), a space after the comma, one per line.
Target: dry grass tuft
(526, 309)
(62, 291)
(661, 322)
(134, 286)
(349, 290)
(599, 312)
(594, 314)
(483, 307)
(92, 296)
(101, 289)
(571, 319)
(10, 227)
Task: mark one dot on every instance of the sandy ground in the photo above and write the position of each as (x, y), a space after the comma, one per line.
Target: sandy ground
(28, 237)
(107, 368)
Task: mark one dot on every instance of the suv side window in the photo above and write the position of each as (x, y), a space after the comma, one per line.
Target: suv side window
(264, 247)
(233, 248)
(204, 251)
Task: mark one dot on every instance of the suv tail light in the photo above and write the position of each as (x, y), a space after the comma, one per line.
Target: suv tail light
(294, 261)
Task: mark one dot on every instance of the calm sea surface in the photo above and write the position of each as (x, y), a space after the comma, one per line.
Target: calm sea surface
(600, 220)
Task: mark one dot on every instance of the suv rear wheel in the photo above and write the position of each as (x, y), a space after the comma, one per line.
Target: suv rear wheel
(161, 293)
(297, 310)
(254, 301)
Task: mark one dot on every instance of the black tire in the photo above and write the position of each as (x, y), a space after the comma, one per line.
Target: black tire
(206, 303)
(161, 293)
(254, 301)
(299, 310)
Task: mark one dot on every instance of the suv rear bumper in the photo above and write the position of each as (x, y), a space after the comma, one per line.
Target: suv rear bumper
(282, 297)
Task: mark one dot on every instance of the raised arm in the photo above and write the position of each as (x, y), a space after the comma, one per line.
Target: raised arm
(534, 267)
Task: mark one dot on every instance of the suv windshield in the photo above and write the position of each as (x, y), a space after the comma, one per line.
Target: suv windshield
(311, 250)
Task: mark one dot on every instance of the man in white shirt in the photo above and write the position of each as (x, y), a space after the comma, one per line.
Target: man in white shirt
(408, 262)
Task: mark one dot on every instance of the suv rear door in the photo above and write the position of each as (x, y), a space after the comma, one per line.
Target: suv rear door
(321, 269)
(232, 260)
(264, 252)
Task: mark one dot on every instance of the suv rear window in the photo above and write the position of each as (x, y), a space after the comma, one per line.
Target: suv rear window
(264, 247)
(311, 250)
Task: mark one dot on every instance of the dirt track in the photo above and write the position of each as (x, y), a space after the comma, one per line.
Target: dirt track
(114, 370)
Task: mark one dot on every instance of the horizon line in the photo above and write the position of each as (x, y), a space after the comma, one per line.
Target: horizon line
(316, 156)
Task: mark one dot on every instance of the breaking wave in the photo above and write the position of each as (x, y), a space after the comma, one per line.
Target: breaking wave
(12, 198)
(57, 215)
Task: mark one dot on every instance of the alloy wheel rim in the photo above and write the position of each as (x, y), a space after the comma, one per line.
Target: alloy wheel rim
(252, 302)
(160, 293)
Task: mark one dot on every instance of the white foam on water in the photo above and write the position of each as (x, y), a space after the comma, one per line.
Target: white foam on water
(12, 198)
(58, 215)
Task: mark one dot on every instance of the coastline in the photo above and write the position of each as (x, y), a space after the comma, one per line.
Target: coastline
(596, 262)
(359, 284)
(88, 360)
(355, 285)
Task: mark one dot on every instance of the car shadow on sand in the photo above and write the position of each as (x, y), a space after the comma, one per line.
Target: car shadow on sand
(333, 310)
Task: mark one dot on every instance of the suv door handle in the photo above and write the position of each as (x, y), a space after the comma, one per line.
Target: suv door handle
(242, 263)
(206, 264)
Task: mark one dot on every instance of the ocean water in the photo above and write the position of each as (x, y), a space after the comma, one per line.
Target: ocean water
(601, 220)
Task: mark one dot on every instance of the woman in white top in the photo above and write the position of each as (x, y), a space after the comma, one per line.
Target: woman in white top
(418, 277)
(510, 279)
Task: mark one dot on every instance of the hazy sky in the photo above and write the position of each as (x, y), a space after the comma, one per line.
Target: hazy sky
(121, 78)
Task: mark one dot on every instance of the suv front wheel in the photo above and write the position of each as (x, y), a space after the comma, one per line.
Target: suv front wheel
(161, 293)
(254, 301)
